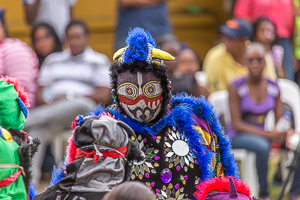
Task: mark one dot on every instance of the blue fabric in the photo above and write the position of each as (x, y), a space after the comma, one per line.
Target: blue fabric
(287, 57)
(261, 147)
(153, 19)
(22, 107)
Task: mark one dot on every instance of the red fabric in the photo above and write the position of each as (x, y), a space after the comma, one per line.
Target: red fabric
(278, 11)
(112, 154)
(10, 179)
(221, 184)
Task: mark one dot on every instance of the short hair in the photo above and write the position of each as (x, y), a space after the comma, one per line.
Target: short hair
(130, 190)
(80, 23)
(258, 46)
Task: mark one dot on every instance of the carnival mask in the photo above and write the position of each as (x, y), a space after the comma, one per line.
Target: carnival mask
(140, 95)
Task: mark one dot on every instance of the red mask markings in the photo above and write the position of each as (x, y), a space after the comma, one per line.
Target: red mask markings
(140, 97)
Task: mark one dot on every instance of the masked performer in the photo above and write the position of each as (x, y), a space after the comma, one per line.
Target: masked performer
(16, 148)
(181, 137)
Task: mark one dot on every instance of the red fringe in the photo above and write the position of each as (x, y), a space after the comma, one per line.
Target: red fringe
(71, 149)
(221, 184)
(18, 88)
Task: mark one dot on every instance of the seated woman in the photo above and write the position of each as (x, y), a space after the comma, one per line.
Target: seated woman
(250, 99)
(44, 41)
(265, 33)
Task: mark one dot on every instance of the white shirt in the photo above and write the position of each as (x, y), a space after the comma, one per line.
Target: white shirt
(62, 73)
(54, 12)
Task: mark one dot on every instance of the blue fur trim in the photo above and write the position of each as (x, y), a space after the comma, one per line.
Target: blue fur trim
(22, 107)
(184, 109)
(32, 192)
(137, 43)
(205, 110)
(58, 174)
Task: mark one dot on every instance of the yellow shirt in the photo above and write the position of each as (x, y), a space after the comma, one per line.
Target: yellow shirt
(221, 68)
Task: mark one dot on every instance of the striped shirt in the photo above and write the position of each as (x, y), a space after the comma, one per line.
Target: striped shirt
(18, 60)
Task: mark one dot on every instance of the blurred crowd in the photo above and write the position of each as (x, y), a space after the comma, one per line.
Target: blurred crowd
(65, 77)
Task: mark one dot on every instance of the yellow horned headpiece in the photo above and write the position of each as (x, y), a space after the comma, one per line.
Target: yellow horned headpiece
(141, 46)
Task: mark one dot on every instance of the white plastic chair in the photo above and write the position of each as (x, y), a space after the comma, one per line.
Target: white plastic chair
(220, 102)
(60, 144)
(201, 78)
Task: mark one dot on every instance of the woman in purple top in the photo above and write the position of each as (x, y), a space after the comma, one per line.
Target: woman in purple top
(256, 96)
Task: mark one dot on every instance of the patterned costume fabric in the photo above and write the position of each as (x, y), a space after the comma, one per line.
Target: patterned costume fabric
(16, 147)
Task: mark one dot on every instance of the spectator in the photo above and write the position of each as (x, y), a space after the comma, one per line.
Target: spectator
(70, 83)
(181, 82)
(282, 14)
(152, 15)
(17, 60)
(225, 62)
(44, 41)
(132, 190)
(188, 61)
(56, 13)
(250, 99)
(265, 33)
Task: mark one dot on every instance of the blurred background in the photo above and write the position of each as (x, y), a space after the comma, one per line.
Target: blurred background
(194, 21)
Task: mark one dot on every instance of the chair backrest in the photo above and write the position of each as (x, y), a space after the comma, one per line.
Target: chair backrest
(220, 101)
(201, 78)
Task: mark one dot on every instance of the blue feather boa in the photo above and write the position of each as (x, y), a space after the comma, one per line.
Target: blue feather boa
(182, 114)
(184, 109)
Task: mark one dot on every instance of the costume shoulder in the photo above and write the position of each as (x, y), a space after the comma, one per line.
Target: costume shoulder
(206, 123)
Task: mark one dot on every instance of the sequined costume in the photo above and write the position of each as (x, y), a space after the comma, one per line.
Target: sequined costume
(16, 148)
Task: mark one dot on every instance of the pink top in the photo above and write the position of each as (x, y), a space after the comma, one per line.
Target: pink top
(278, 11)
(19, 61)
